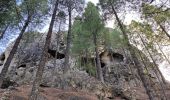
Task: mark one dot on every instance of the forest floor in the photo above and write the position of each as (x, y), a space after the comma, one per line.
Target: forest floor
(22, 93)
(47, 93)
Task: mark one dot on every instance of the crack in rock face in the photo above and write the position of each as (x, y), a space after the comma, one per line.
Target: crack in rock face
(53, 54)
(2, 57)
(22, 66)
(106, 58)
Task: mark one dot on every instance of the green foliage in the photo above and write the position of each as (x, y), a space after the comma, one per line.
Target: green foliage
(112, 38)
(61, 15)
(37, 8)
(158, 14)
(81, 40)
(92, 21)
(83, 30)
(161, 17)
(145, 28)
(90, 68)
(12, 13)
(106, 3)
(7, 14)
(34, 6)
(142, 29)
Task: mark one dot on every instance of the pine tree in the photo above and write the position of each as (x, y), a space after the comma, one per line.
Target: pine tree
(14, 49)
(29, 8)
(71, 5)
(93, 24)
(157, 14)
(109, 5)
(39, 73)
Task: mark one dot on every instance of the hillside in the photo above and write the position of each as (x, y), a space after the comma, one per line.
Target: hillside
(64, 50)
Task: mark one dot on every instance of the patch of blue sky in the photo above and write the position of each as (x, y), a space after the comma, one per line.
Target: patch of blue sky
(8, 37)
(93, 1)
(19, 2)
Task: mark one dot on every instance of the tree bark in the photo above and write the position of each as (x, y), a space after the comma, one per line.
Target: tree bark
(162, 52)
(133, 74)
(57, 46)
(139, 66)
(58, 39)
(68, 46)
(13, 51)
(98, 64)
(156, 70)
(155, 88)
(37, 81)
(163, 29)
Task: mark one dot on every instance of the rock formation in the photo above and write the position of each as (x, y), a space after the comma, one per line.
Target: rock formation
(120, 75)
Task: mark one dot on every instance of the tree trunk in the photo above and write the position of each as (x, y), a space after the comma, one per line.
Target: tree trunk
(13, 51)
(163, 29)
(139, 66)
(156, 70)
(68, 46)
(58, 39)
(57, 46)
(133, 74)
(57, 49)
(98, 64)
(155, 88)
(37, 81)
(2, 35)
(166, 58)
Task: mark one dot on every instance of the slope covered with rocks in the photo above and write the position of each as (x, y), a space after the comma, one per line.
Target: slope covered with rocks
(121, 82)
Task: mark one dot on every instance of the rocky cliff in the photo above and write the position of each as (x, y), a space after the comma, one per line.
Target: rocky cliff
(122, 79)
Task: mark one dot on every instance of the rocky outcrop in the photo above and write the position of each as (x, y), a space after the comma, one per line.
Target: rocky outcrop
(121, 77)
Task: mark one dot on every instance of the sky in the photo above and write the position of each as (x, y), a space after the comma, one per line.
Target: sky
(128, 16)
(131, 15)
(94, 1)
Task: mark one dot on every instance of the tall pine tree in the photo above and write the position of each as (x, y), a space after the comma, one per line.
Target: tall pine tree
(29, 10)
(37, 81)
(93, 24)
